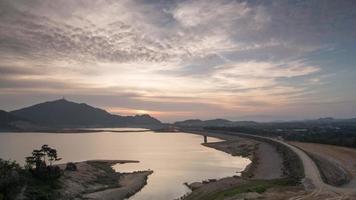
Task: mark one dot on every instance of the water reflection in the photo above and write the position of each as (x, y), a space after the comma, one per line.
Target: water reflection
(175, 157)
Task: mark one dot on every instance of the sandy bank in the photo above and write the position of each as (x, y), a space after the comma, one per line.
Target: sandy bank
(97, 180)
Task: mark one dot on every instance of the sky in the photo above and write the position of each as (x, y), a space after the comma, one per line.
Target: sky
(260, 60)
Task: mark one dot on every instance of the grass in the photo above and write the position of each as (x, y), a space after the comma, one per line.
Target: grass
(110, 178)
(259, 186)
(102, 166)
(41, 189)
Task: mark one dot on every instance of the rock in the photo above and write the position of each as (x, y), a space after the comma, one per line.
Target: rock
(195, 185)
(71, 167)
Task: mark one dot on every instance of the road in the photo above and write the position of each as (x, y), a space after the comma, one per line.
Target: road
(313, 176)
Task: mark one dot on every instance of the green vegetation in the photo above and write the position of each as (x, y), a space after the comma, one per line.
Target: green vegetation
(249, 171)
(324, 131)
(38, 189)
(102, 165)
(258, 186)
(37, 181)
(11, 180)
(332, 137)
(110, 178)
(37, 163)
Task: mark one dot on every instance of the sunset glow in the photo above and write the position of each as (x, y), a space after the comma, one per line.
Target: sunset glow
(177, 99)
(142, 112)
(182, 59)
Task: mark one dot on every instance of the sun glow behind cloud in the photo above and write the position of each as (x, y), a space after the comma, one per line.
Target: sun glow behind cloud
(174, 59)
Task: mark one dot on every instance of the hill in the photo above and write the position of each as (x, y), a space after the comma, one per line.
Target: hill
(212, 123)
(63, 113)
(9, 121)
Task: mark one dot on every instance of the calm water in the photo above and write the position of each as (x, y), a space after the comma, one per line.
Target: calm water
(175, 157)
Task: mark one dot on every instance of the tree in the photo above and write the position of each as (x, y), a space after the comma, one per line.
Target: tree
(39, 160)
(52, 156)
(39, 157)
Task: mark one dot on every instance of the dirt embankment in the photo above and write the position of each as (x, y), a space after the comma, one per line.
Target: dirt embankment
(277, 189)
(332, 172)
(97, 180)
(337, 164)
(250, 188)
(266, 164)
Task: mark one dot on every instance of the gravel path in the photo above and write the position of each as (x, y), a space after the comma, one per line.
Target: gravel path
(269, 162)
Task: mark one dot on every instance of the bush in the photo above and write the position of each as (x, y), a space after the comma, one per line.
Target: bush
(260, 189)
(47, 173)
(41, 180)
(71, 167)
(10, 179)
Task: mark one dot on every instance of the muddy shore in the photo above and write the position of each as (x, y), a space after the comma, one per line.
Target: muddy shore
(266, 161)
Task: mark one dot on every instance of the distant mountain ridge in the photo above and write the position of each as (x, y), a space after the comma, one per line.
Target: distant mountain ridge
(59, 114)
(228, 123)
(67, 114)
(212, 122)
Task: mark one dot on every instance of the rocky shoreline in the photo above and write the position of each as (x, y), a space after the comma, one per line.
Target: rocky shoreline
(97, 180)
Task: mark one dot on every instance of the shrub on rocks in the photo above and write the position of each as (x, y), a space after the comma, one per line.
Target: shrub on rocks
(71, 167)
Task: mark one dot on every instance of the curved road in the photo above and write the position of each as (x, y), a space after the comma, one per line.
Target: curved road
(312, 173)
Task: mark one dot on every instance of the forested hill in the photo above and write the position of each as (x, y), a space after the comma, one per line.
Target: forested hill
(64, 113)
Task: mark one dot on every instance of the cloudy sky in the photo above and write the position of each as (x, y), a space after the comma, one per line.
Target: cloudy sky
(257, 59)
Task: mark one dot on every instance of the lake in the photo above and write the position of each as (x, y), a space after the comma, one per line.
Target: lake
(175, 158)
